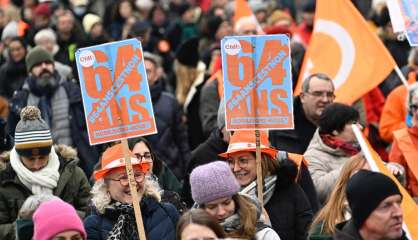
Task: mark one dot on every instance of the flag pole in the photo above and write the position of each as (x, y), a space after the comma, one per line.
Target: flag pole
(401, 76)
(134, 193)
(259, 169)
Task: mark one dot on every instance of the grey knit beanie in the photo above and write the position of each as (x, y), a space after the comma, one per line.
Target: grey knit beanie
(32, 134)
(36, 56)
(212, 181)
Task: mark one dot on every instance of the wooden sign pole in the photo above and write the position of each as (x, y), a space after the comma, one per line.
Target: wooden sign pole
(134, 192)
(259, 169)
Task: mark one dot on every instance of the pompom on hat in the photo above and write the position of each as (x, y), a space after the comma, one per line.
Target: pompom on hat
(113, 159)
(244, 141)
(212, 181)
(54, 217)
(32, 134)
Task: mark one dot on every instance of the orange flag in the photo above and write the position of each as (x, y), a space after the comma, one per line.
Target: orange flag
(243, 14)
(343, 47)
(409, 207)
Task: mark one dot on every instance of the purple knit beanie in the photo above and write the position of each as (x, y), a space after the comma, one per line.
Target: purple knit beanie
(212, 181)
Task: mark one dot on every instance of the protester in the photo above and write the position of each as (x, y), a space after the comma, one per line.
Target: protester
(36, 166)
(336, 209)
(113, 213)
(284, 200)
(13, 72)
(171, 142)
(215, 189)
(404, 148)
(56, 219)
(332, 145)
(142, 149)
(189, 78)
(47, 39)
(198, 224)
(380, 217)
(170, 186)
(24, 222)
(317, 92)
(60, 103)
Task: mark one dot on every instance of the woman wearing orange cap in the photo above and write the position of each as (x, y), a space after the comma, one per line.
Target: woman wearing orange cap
(113, 215)
(285, 202)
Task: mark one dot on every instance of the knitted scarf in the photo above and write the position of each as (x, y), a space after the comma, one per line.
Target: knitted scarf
(350, 149)
(39, 182)
(125, 226)
(268, 188)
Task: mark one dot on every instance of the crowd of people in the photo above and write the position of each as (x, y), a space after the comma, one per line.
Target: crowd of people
(195, 179)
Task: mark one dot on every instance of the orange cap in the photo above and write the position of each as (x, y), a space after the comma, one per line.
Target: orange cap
(244, 141)
(113, 158)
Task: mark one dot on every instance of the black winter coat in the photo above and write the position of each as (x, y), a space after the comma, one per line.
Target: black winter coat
(12, 77)
(171, 141)
(87, 154)
(160, 220)
(297, 141)
(289, 209)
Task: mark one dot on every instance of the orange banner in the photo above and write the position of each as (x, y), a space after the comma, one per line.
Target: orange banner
(344, 47)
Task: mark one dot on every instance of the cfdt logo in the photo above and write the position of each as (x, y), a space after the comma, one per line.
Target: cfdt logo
(232, 46)
(86, 58)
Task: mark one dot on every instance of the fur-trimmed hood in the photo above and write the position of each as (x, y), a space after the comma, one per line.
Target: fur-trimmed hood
(64, 152)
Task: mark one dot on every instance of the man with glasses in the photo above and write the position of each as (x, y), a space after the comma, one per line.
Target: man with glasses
(317, 93)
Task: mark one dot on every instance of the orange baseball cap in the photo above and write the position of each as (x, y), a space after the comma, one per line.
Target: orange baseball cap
(113, 159)
(244, 141)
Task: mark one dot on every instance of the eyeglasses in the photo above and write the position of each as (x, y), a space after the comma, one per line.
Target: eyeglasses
(242, 162)
(147, 156)
(413, 107)
(318, 94)
(124, 180)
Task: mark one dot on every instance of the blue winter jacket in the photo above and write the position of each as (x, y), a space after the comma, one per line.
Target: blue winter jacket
(160, 220)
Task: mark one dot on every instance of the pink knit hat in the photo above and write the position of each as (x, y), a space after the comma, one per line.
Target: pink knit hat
(54, 217)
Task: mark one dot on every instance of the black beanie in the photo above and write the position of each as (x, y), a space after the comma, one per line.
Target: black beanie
(365, 191)
(188, 52)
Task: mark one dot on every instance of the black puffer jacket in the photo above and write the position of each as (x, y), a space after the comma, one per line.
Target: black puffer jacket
(289, 209)
(171, 141)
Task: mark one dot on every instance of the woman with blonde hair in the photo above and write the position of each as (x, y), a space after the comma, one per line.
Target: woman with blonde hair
(336, 209)
(113, 215)
(189, 80)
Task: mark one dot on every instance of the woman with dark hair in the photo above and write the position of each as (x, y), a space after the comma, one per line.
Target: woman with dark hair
(125, 14)
(13, 72)
(198, 224)
(332, 145)
(166, 178)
